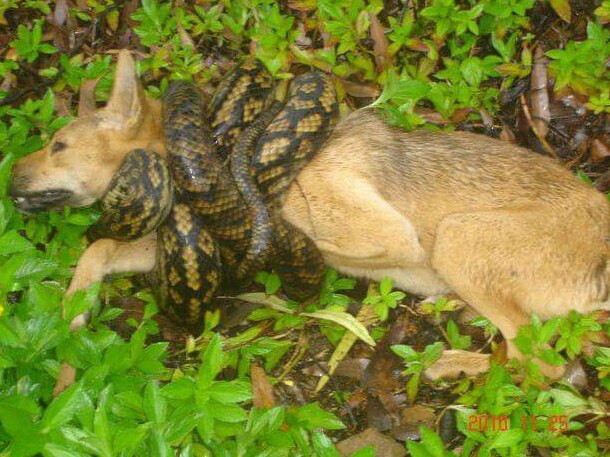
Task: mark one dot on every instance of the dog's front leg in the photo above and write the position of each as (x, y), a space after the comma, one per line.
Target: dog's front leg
(102, 258)
(105, 257)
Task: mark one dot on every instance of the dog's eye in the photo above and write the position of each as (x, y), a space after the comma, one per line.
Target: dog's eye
(57, 146)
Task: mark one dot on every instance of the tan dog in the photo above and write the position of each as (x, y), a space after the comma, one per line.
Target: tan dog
(509, 231)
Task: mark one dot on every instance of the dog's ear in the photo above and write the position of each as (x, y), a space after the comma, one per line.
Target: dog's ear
(125, 108)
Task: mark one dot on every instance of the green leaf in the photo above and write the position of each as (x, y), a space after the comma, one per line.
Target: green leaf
(472, 70)
(433, 443)
(272, 284)
(230, 391)
(129, 439)
(405, 351)
(180, 389)
(55, 450)
(568, 399)
(211, 362)
(563, 9)
(62, 408)
(312, 416)
(456, 340)
(323, 445)
(506, 439)
(385, 286)
(226, 412)
(368, 451)
(8, 337)
(548, 329)
(154, 404)
(11, 242)
(431, 354)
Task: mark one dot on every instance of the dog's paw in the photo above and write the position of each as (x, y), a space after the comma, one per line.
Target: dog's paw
(454, 362)
(65, 378)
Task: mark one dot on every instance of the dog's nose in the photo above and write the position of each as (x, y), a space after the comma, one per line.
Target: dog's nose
(16, 190)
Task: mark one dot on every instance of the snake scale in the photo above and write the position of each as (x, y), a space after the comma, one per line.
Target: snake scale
(214, 198)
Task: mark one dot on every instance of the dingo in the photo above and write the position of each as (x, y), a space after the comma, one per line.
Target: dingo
(509, 231)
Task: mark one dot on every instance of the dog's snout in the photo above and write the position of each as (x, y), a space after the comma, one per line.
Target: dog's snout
(18, 187)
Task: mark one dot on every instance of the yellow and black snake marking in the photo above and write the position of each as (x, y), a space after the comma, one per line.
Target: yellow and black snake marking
(263, 168)
(296, 133)
(203, 181)
(189, 269)
(137, 200)
(217, 220)
(297, 261)
(141, 198)
(261, 247)
(245, 92)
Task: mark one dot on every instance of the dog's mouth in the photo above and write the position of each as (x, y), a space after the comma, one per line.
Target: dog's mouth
(34, 202)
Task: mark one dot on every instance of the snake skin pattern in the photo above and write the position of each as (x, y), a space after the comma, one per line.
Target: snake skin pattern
(244, 93)
(199, 173)
(137, 200)
(217, 219)
(189, 269)
(263, 172)
(296, 133)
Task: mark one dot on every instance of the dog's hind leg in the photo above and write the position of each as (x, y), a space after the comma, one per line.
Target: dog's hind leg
(508, 264)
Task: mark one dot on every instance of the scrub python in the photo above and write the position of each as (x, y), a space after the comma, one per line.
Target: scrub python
(213, 200)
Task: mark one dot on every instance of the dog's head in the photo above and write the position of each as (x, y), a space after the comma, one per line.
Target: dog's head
(77, 165)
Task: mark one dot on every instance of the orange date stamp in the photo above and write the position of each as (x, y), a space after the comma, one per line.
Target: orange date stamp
(502, 423)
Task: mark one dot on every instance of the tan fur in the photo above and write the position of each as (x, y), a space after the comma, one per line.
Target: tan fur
(509, 231)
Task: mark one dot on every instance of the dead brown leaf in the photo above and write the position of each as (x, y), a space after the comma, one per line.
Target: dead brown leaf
(383, 444)
(185, 38)
(63, 101)
(487, 119)
(60, 13)
(262, 390)
(599, 151)
(412, 418)
(360, 90)
(460, 115)
(302, 5)
(66, 377)
(86, 98)
(453, 362)
(380, 43)
(507, 134)
(541, 111)
(603, 182)
(352, 368)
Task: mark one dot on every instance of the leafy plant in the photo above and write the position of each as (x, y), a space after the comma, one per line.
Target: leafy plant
(28, 44)
(430, 445)
(385, 299)
(417, 363)
(457, 341)
(582, 64)
(438, 307)
(601, 361)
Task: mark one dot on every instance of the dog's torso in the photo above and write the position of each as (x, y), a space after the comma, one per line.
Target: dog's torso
(375, 198)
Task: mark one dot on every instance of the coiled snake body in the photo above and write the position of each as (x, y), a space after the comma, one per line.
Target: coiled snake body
(213, 200)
